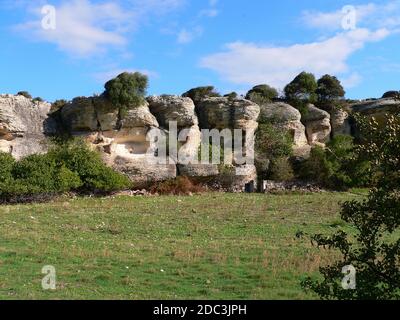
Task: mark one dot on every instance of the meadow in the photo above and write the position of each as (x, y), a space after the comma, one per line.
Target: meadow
(208, 246)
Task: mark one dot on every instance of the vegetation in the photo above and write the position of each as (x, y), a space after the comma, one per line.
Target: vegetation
(128, 90)
(231, 96)
(302, 91)
(58, 105)
(271, 143)
(280, 170)
(262, 94)
(392, 94)
(38, 99)
(329, 88)
(180, 186)
(68, 167)
(209, 246)
(25, 94)
(374, 251)
(199, 93)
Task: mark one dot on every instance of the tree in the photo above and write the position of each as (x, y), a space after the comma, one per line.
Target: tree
(199, 93)
(329, 89)
(302, 88)
(262, 94)
(128, 90)
(391, 94)
(25, 94)
(374, 250)
(231, 96)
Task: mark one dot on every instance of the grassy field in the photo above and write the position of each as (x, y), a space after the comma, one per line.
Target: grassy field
(211, 246)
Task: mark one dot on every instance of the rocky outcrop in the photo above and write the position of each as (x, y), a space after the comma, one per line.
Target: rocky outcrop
(318, 125)
(377, 108)
(285, 116)
(222, 113)
(23, 124)
(340, 122)
(173, 108)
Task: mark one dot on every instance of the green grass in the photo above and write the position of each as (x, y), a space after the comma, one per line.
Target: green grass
(211, 246)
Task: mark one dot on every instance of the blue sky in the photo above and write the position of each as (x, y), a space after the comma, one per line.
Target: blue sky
(180, 44)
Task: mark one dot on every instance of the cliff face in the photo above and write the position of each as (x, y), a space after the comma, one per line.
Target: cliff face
(124, 141)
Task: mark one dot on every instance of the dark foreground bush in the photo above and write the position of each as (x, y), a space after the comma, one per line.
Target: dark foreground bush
(68, 167)
(179, 186)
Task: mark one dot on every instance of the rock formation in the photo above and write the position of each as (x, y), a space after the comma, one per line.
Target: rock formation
(284, 116)
(318, 125)
(126, 141)
(23, 125)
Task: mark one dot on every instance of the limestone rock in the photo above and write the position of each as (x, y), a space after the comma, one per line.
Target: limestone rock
(22, 125)
(318, 125)
(139, 117)
(377, 108)
(285, 116)
(168, 108)
(79, 115)
(223, 113)
(340, 122)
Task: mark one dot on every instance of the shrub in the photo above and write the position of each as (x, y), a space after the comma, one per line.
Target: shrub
(262, 94)
(231, 96)
(271, 143)
(38, 99)
(89, 167)
(317, 168)
(199, 93)
(281, 170)
(58, 105)
(391, 94)
(25, 94)
(6, 164)
(128, 90)
(180, 186)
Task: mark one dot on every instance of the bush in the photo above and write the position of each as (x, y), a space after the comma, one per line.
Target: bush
(68, 167)
(25, 94)
(391, 94)
(126, 91)
(317, 168)
(231, 96)
(271, 143)
(262, 94)
(199, 93)
(38, 99)
(329, 89)
(58, 105)
(281, 170)
(179, 186)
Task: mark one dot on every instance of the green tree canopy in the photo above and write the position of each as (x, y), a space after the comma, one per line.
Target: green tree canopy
(199, 93)
(262, 94)
(329, 89)
(127, 90)
(302, 87)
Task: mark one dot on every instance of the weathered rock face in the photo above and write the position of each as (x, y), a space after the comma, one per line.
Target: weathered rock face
(340, 122)
(285, 116)
(318, 125)
(173, 108)
(23, 124)
(377, 108)
(221, 113)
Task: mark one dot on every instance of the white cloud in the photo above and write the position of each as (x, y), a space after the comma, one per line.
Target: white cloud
(250, 64)
(351, 81)
(185, 36)
(84, 28)
(371, 16)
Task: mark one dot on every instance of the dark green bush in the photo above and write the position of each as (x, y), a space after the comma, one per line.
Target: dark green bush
(281, 170)
(199, 93)
(271, 143)
(25, 94)
(67, 167)
(262, 94)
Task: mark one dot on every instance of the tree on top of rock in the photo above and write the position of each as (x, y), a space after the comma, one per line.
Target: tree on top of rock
(329, 89)
(262, 94)
(199, 93)
(127, 90)
(391, 94)
(302, 87)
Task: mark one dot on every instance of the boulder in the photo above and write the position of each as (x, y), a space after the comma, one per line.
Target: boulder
(285, 116)
(318, 125)
(80, 116)
(377, 108)
(168, 108)
(139, 117)
(23, 124)
(223, 113)
(340, 122)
